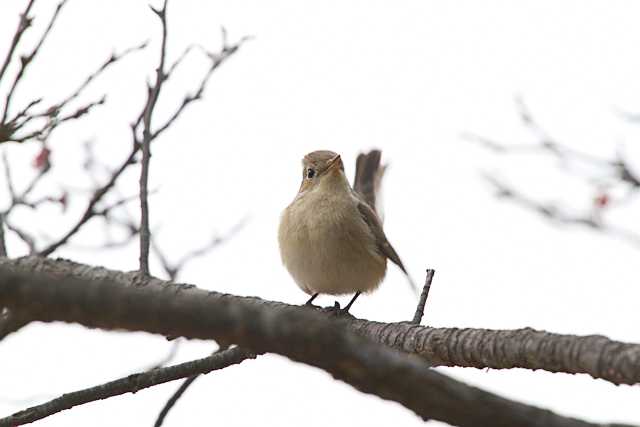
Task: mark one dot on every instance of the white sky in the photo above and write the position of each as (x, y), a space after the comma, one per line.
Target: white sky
(407, 77)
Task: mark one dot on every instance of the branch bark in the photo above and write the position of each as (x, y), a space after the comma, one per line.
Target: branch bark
(527, 348)
(129, 384)
(60, 290)
(152, 99)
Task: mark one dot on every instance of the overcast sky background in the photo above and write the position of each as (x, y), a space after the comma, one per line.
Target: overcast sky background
(407, 77)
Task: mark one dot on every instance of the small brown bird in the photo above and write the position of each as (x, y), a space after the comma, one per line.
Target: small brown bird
(331, 239)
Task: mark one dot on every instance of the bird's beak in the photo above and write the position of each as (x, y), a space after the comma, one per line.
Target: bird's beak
(334, 163)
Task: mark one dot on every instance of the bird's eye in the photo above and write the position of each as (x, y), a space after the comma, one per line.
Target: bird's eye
(311, 173)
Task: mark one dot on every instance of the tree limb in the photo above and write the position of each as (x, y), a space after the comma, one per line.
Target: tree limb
(60, 290)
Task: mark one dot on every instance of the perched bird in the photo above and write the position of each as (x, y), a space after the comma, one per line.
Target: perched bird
(331, 239)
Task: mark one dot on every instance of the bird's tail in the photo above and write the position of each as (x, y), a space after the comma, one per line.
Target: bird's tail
(368, 178)
(367, 183)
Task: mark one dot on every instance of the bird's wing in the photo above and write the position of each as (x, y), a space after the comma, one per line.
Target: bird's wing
(368, 175)
(372, 220)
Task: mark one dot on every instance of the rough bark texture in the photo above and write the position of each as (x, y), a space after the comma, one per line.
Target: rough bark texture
(527, 348)
(60, 290)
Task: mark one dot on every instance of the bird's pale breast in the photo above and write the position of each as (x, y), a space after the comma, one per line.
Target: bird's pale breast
(327, 247)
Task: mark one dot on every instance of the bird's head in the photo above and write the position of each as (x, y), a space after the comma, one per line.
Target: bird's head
(322, 169)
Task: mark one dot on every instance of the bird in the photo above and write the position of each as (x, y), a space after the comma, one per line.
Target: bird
(331, 239)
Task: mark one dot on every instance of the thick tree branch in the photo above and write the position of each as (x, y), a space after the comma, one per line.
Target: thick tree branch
(527, 348)
(59, 290)
(11, 322)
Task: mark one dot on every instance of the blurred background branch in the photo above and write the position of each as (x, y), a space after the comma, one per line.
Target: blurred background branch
(605, 177)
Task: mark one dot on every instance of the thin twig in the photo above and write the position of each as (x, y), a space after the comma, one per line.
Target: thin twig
(178, 394)
(173, 399)
(417, 317)
(128, 384)
(27, 238)
(217, 59)
(26, 60)
(168, 357)
(554, 213)
(3, 244)
(172, 270)
(7, 176)
(154, 93)
(90, 211)
(604, 174)
(23, 24)
(115, 57)
(51, 113)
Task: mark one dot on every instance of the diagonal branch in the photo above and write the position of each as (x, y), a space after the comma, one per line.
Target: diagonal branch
(91, 210)
(554, 213)
(185, 385)
(596, 355)
(129, 384)
(302, 334)
(23, 24)
(603, 175)
(106, 299)
(26, 60)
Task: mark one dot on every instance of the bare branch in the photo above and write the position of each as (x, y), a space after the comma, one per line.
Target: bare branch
(173, 269)
(131, 301)
(167, 358)
(23, 24)
(90, 210)
(26, 60)
(27, 238)
(129, 384)
(616, 167)
(7, 176)
(52, 114)
(174, 399)
(114, 58)
(3, 243)
(417, 317)
(555, 213)
(182, 389)
(597, 356)
(603, 174)
(152, 99)
(217, 59)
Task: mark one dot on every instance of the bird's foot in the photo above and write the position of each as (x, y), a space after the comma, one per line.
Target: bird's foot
(336, 310)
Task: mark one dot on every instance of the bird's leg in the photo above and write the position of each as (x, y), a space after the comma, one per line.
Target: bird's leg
(310, 302)
(346, 309)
